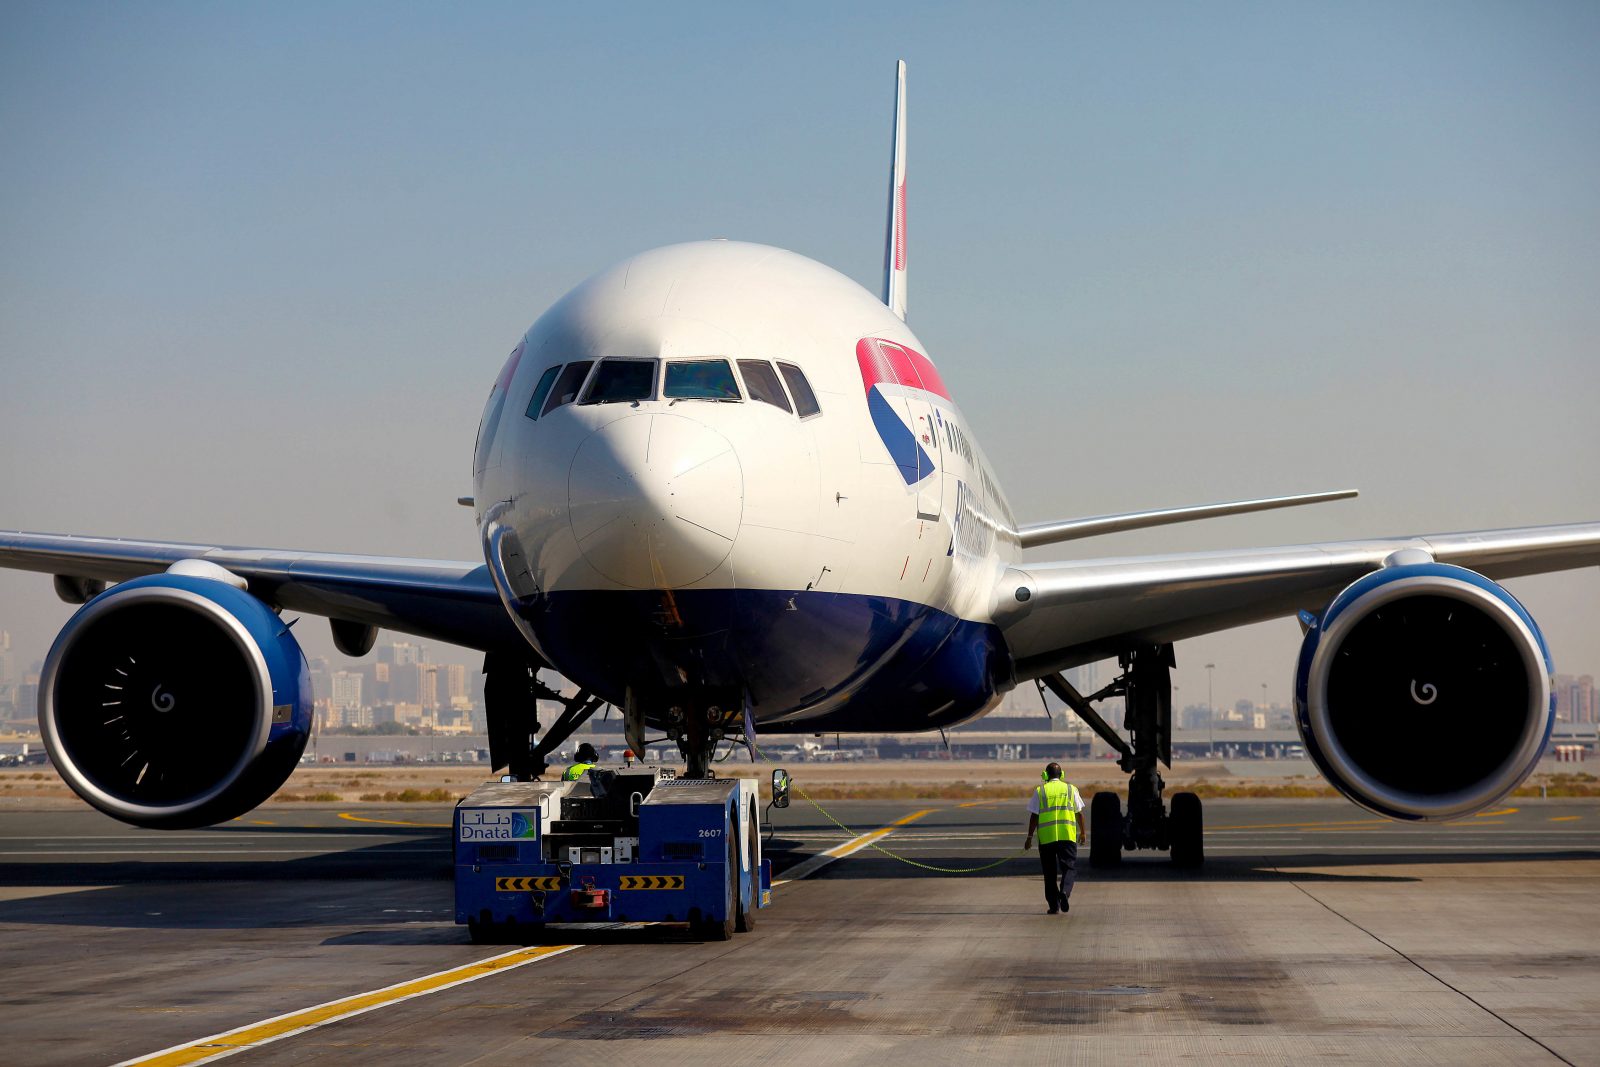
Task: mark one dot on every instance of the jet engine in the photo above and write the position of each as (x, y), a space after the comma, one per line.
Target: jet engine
(1423, 691)
(175, 701)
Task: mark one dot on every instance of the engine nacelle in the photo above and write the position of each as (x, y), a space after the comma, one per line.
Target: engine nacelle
(1423, 692)
(174, 701)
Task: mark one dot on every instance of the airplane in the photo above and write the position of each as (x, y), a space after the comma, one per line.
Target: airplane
(724, 488)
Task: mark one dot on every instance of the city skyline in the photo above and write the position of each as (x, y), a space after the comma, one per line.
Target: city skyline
(347, 683)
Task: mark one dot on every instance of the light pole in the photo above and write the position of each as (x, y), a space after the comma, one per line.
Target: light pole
(1211, 716)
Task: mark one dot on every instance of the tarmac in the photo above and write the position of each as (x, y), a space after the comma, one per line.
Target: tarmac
(1315, 932)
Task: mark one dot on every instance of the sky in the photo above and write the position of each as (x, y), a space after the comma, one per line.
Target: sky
(259, 264)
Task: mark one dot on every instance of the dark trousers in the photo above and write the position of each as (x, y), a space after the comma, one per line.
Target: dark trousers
(1059, 859)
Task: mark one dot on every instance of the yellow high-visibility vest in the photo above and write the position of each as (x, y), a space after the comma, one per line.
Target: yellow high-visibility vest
(576, 771)
(1058, 804)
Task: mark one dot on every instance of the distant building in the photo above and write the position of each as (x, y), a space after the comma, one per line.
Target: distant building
(405, 683)
(454, 685)
(345, 690)
(26, 701)
(403, 713)
(1085, 678)
(1576, 699)
(401, 653)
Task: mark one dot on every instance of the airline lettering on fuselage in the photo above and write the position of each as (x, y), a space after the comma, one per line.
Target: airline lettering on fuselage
(973, 535)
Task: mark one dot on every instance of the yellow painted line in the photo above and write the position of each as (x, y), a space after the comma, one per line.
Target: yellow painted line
(298, 1022)
(856, 844)
(811, 866)
(394, 822)
(1492, 814)
(244, 1038)
(1564, 818)
(981, 803)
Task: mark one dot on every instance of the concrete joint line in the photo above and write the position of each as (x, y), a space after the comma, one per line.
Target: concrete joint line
(1468, 997)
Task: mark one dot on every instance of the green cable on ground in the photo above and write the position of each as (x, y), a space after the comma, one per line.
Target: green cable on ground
(907, 859)
(894, 855)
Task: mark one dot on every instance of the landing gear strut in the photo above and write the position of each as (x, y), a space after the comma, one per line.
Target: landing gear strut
(1146, 685)
(511, 690)
(698, 732)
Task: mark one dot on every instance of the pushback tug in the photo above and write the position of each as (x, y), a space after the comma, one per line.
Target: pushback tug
(633, 844)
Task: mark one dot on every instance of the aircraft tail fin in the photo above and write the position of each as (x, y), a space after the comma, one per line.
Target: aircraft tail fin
(894, 251)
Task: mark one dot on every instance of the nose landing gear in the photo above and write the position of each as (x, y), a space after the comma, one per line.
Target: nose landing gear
(698, 732)
(1146, 685)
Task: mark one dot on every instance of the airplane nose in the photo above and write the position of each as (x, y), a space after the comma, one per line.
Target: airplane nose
(655, 500)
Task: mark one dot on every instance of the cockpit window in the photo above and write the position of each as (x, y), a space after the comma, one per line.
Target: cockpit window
(542, 390)
(567, 386)
(620, 380)
(700, 379)
(762, 381)
(805, 401)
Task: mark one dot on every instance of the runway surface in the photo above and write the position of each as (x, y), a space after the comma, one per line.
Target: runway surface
(1314, 932)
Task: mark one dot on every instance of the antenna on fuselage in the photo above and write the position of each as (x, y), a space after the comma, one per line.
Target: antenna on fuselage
(894, 250)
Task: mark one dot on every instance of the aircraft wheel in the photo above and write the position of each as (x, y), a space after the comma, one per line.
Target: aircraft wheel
(1186, 830)
(1105, 830)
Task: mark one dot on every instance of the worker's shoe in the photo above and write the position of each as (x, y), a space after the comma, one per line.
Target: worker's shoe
(1053, 911)
(1066, 905)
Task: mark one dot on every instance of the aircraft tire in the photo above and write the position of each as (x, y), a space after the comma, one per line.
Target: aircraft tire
(1186, 830)
(1105, 830)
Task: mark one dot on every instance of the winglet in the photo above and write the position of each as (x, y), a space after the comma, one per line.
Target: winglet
(894, 250)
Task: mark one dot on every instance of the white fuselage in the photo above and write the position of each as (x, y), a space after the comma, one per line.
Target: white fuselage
(726, 532)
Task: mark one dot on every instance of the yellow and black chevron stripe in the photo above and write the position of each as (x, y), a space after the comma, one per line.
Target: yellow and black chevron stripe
(525, 885)
(651, 881)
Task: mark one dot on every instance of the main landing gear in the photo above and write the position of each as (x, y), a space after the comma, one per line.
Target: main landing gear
(511, 690)
(1146, 685)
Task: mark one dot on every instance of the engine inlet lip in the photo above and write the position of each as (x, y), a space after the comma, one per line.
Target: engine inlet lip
(1419, 805)
(113, 601)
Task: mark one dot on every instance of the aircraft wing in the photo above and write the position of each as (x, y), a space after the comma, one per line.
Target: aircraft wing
(1081, 611)
(440, 599)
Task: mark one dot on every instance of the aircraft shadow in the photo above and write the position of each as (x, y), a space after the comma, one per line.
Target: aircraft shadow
(1155, 867)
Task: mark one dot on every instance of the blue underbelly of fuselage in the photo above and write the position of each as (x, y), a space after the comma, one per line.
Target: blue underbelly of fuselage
(805, 660)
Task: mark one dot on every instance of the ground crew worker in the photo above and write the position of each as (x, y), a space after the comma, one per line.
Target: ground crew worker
(587, 758)
(1053, 812)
